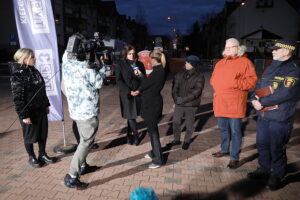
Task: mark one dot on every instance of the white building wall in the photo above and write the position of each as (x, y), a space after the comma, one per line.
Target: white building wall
(281, 19)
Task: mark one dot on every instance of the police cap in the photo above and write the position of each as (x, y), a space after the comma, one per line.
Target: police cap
(286, 44)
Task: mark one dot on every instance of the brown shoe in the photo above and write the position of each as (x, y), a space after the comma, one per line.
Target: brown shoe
(233, 164)
(219, 154)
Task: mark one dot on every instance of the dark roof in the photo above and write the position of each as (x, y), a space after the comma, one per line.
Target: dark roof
(108, 8)
(264, 34)
(295, 4)
(230, 7)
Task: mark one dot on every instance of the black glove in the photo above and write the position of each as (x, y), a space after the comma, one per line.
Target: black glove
(179, 101)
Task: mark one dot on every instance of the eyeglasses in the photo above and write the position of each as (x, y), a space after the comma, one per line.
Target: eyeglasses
(130, 54)
(231, 47)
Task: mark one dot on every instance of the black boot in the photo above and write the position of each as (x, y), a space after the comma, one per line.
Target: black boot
(135, 138)
(32, 159)
(43, 157)
(129, 139)
(34, 162)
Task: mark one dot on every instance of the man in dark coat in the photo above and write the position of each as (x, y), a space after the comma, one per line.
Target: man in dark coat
(186, 92)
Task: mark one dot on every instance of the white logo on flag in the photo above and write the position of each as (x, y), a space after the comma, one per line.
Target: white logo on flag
(38, 16)
(44, 63)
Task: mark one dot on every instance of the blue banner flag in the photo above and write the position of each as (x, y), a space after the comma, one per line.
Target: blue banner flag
(36, 31)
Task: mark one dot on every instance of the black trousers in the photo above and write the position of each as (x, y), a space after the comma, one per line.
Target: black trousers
(189, 114)
(156, 152)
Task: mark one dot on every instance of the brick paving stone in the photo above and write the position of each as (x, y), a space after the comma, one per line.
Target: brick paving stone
(170, 192)
(164, 185)
(150, 184)
(132, 182)
(80, 196)
(16, 197)
(109, 193)
(123, 188)
(16, 190)
(124, 195)
(35, 197)
(157, 179)
(4, 196)
(31, 192)
(173, 180)
(61, 195)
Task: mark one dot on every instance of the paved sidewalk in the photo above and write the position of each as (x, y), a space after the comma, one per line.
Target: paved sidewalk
(191, 174)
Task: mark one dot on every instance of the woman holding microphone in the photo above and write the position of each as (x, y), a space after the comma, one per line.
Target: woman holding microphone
(152, 105)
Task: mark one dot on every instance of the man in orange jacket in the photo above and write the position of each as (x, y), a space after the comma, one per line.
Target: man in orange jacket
(232, 77)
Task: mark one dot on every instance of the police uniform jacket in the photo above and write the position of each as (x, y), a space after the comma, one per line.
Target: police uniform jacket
(152, 101)
(283, 77)
(127, 82)
(28, 90)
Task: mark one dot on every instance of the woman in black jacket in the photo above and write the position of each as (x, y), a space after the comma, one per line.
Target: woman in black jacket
(152, 105)
(31, 104)
(128, 72)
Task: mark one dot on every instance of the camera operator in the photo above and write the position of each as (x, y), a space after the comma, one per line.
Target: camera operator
(83, 75)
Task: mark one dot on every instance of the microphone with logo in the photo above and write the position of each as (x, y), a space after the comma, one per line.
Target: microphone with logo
(135, 69)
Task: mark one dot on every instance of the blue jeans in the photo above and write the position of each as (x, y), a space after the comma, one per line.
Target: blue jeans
(230, 131)
(271, 139)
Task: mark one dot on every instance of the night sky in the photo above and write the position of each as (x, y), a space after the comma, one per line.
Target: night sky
(155, 12)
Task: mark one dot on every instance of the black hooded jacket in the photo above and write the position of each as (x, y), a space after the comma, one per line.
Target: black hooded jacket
(28, 87)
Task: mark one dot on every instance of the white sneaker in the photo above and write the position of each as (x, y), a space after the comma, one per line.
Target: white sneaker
(147, 156)
(153, 166)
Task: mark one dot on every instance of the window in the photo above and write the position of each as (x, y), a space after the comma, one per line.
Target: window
(264, 4)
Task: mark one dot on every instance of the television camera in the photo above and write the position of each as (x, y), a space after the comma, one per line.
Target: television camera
(92, 50)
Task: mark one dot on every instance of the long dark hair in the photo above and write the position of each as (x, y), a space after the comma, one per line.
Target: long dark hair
(126, 49)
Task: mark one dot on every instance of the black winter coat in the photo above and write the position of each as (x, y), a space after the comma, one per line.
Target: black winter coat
(127, 82)
(152, 101)
(188, 84)
(25, 83)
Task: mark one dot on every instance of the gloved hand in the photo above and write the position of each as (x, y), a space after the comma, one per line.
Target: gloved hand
(179, 101)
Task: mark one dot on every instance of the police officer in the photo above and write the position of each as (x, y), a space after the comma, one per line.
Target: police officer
(276, 113)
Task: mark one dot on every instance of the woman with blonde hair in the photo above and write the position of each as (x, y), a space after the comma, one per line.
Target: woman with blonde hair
(31, 104)
(152, 105)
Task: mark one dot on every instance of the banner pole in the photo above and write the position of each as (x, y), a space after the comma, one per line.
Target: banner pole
(65, 147)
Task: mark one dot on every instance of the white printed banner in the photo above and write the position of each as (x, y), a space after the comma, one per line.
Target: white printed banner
(36, 31)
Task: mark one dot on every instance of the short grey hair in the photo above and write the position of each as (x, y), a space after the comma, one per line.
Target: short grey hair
(233, 40)
(242, 48)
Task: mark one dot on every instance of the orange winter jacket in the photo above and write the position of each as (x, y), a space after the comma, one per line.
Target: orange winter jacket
(232, 77)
